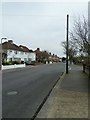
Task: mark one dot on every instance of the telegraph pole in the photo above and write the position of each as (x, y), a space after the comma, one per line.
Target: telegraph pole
(67, 44)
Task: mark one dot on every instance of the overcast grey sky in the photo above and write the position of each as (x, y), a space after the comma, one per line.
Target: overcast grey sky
(40, 24)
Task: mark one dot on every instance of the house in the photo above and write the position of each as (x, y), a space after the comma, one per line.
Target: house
(50, 57)
(38, 55)
(41, 56)
(54, 58)
(13, 52)
(30, 55)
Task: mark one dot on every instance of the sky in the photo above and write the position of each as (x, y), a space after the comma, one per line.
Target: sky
(40, 24)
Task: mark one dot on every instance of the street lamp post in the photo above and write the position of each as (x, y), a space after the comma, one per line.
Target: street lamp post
(67, 45)
(1, 53)
(1, 77)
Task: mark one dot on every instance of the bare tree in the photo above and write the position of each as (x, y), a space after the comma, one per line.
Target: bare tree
(79, 35)
(79, 41)
(71, 50)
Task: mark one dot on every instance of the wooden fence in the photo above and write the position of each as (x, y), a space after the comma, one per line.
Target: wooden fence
(86, 69)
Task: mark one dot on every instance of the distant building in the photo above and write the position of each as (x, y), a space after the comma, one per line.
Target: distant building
(38, 55)
(13, 52)
(42, 56)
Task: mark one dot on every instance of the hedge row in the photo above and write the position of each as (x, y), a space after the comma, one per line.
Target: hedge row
(12, 62)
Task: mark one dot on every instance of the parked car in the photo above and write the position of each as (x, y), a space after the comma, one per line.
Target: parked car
(27, 62)
(64, 61)
(30, 62)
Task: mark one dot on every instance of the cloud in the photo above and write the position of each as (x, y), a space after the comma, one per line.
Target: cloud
(39, 24)
(44, 0)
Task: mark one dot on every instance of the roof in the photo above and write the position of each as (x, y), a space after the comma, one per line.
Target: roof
(25, 49)
(38, 50)
(12, 46)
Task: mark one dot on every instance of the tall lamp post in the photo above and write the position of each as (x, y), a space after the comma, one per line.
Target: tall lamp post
(1, 53)
(1, 77)
(67, 45)
(89, 36)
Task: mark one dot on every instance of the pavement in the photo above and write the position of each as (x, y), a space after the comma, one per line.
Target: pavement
(69, 98)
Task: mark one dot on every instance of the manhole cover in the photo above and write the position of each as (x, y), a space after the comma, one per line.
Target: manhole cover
(12, 93)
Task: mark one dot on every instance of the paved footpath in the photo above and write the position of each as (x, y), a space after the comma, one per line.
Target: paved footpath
(69, 98)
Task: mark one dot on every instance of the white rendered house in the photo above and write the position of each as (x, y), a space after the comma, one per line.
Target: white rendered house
(17, 53)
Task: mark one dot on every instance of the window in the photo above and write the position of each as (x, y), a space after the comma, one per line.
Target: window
(10, 51)
(10, 59)
(15, 52)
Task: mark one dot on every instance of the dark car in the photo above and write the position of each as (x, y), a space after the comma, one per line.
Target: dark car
(30, 62)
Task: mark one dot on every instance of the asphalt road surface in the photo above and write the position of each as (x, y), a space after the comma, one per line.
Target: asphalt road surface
(24, 90)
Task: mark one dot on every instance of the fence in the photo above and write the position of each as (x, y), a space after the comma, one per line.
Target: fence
(86, 69)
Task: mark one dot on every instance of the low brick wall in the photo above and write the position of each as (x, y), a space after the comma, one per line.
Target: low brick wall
(4, 67)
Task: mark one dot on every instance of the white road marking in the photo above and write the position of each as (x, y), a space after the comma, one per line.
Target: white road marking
(12, 93)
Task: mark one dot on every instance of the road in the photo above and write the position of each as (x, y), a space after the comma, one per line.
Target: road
(23, 91)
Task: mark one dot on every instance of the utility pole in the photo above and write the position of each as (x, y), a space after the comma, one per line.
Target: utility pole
(89, 36)
(67, 44)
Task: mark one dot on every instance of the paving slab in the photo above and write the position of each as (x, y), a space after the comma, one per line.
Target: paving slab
(69, 98)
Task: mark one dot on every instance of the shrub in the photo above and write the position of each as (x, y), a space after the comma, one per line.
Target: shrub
(16, 62)
(11, 63)
(22, 62)
(6, 63)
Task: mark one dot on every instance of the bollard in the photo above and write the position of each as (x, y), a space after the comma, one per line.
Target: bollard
(83, 67)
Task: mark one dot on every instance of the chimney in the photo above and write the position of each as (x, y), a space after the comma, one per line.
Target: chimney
(38, 49)
(10, 41)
